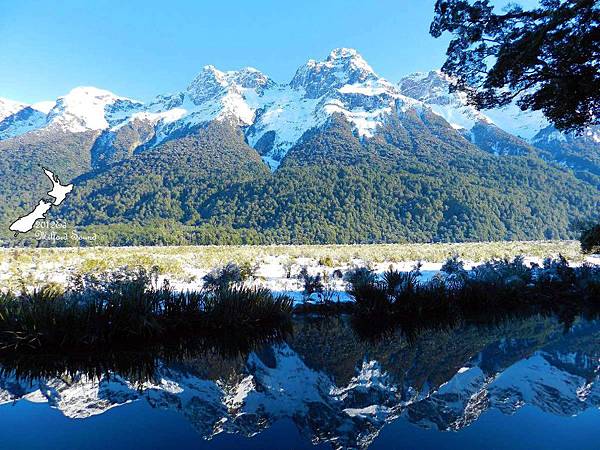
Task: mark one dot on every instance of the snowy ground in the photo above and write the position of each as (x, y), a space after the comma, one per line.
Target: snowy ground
(272, 274)
(185, 267)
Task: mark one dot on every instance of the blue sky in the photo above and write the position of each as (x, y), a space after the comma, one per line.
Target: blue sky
(140, 48)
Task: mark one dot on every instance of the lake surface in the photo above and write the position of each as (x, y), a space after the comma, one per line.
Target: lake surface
(520, 385)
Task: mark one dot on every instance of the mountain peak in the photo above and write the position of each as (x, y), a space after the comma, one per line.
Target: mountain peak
(44, 106)
(9, 107)
(89, 91)
(209, 72)
(250, 78)
(343, 52)
(85, 108)
(212, 83)
(209, 83)
(350, 59)
(349, 54)
(342, 66)
(422, 85)
(433, 88)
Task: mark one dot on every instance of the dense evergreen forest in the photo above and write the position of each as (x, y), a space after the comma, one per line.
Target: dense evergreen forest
(416, 180)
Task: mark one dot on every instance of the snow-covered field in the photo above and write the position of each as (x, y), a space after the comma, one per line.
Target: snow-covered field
(272, 273)
(275, 267)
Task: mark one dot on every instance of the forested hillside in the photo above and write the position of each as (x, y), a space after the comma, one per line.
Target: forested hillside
(337, 155)
(417, 181)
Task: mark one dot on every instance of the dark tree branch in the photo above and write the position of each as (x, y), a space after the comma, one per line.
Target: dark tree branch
(546, 57)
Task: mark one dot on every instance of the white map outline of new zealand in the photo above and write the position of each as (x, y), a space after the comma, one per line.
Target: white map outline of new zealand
(59, 191)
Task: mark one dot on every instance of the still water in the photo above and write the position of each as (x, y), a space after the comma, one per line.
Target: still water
(521, 385)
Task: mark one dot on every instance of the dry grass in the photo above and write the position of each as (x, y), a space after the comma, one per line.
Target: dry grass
(20, 265)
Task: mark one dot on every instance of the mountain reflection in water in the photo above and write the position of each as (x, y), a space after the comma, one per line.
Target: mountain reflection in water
(323, 385)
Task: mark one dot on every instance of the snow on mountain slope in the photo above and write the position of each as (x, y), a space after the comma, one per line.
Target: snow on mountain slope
(212, 95)
(82, 109)
(432, 89)
(89, 108)
(344, 84)
(343, 66)
(523, 124)
(44, 107)
(27, 119)
(550, 137)
(225, 95)
(508, 130)
(9, 107)
(18, 118)
(577, 151)
(277, 116)
(274, 116)
(503, 131)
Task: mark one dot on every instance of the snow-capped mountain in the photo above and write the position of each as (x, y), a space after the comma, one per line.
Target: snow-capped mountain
(83, 109)
(504, 131)
(579, 152)
(22, 118)
(480, 128)
(206, 145)
(88, 108)
(546, 135)
(432, 88)
(342, 84)
(276, 116)
(214, 94)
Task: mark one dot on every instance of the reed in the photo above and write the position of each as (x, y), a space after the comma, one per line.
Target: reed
(488, 293)
(128, 310)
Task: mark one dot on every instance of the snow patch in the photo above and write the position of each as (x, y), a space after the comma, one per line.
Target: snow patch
(9, 107)
(83, 109)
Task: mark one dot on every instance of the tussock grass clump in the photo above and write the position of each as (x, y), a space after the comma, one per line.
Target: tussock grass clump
(222, 277)
(488, 293)
(238, 310)
(313, 284)
(127, 309)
